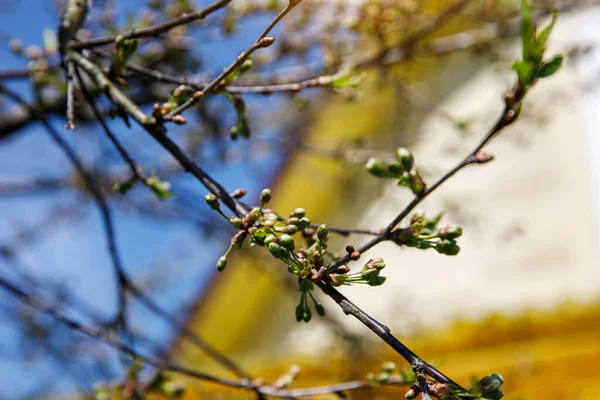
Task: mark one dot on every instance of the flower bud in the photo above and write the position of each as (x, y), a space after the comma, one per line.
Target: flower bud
(290, 229)
(322, 232)
(298, 213)
(303, 223)
(450, 232)
(292, 221)
(265, 196)
(375, 263)
(212, 201)
(447, 247)
(238, 238)
(222, 263)
(395, 168)
(377, 167)
(254, 214)
(270, 239)
(274, 249)
(307, 315)
(355, 255)
(417, 182)
(287, 242)
(405, 157)
(299, 313)
(320, 309)
(236, 222)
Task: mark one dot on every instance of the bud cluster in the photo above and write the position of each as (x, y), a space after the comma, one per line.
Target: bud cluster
(368, 275)
(424, 233)
(303, 312)
(389, 375)
(402, 169)
(489, 386)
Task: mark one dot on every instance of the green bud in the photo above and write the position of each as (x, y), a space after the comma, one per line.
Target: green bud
(299, 313)
(290, 229)
(405, 157)
(307, 315)
(450, 232)
(234, 132)
(303, 223)
(417, 182)
(212, 201)
(447, 247)
(274, 248)
(322, 232)
(287, 241)
(395, 169)
(495, 395)
(418, 216)
(265, 196)
(320, 309)
(368, 274)
(377, 167)
(270, 239)
(235, 222)
(497, 376)
(222, 263)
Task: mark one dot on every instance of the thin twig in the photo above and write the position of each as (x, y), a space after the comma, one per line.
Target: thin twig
(152, 31)
(238, 61)
(172, 367)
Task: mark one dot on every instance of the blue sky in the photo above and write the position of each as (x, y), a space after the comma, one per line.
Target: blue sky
(75, 254)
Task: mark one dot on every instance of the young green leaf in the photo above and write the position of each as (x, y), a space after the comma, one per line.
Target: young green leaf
(549, 68)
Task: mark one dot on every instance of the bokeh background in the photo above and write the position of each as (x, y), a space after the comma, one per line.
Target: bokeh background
(521, 298)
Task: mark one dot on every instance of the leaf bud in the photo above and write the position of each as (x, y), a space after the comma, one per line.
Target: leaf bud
(266, 41)
(238, 193)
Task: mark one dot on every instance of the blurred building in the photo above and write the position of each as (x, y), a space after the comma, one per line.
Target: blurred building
(522, 296)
